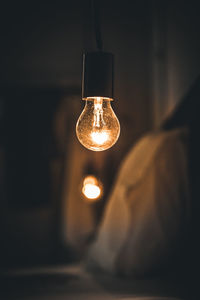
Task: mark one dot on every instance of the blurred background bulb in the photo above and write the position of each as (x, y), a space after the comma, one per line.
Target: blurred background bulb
(91, 188)
(98, 128)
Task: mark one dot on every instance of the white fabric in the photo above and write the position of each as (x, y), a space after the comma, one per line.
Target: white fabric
(147, 207)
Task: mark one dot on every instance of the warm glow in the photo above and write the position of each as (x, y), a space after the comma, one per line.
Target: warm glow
(91, 188)
(99, 137)
(98, 128)
(91, 191)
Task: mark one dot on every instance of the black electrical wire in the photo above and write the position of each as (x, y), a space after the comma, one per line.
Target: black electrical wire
(96, 24)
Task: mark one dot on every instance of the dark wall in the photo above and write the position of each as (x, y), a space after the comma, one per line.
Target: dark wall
(176, 53)
(40, 43)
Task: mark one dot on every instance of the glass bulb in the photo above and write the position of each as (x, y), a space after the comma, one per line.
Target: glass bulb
(98, 128)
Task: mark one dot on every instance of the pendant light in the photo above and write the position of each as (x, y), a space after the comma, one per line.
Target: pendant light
(97, 128)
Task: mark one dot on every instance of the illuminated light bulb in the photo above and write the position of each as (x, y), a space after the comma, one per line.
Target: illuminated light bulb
(98, 128)
(91, 188)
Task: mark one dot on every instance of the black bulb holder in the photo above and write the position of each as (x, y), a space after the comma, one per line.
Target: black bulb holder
(97, 75)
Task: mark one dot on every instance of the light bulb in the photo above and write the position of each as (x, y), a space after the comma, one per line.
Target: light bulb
(98, 128)
(91, 188)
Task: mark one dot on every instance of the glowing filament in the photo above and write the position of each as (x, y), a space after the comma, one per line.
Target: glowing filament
(98, 112)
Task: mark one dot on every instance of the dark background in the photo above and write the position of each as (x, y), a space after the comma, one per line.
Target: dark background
(43, 216)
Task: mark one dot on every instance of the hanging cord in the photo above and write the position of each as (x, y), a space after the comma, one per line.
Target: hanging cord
(96, 24)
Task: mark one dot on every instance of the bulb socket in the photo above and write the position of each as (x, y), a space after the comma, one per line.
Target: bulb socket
(97, 78)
